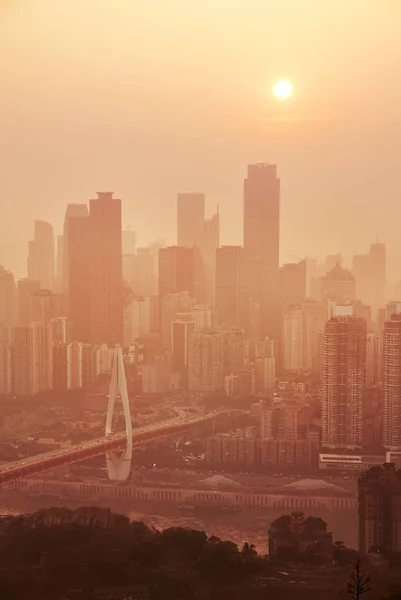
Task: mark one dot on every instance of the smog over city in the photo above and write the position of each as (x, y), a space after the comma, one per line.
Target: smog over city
(200, 299)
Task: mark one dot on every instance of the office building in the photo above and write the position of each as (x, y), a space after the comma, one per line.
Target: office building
(392, 383)
(190, 217)
(231, 292)
(25, 289)
(145, 281)
(41, 255)
(42, 306)
(292, 282)
(137, 319)
(106, 293)
(377, 255)
(261, 241)
(338, 286)
(205, 369)
(343, 381)
(7, 298)
(181, 270)
(171, 306)
(298, 338)
(207, 240)
(379, 507)
(78, 271)
(73, 211)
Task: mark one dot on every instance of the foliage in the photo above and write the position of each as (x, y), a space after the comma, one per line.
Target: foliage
(57, 550)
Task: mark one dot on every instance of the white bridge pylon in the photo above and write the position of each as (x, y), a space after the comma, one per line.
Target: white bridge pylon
(119, 467)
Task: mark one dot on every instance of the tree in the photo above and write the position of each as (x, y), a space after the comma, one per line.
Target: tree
(359, 583)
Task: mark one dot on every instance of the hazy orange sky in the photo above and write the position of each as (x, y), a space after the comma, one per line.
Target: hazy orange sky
(151, 97)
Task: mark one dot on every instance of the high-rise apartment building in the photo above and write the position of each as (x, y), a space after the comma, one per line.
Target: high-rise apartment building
(231, 291)
(374, 359)
(379, 507)
(5, 368)
(392, 383)
(190, 217)
(343, 381)
(183, 327)
(206, 351)
(298, 338)
(136, 319)
(41, 255)
(262, 240)
(106, 312)
(32, 359)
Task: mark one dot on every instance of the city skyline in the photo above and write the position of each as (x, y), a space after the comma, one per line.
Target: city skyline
(130, 127)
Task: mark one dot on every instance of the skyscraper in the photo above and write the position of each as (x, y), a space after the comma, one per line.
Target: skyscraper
(106, 312)
(183, 327)
(190, 217)
(299, 329)
(343, 380)
(207, 241)
(206, 351)
(181, 270)
(78, 268)
(377, 255)
(231, 292)
(262, 239)
(32, 359)
(392, 383)
(25, 289)
(73, 211)
(379, 507)
(7, 298)
(41, 255)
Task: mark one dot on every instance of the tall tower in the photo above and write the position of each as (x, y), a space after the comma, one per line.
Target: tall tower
(77, 274)
(262, 239)
(392, 383)
(73, 211)
(206, 361)
(379, 507)
(41, 255)
(7, 298)
(343, 381)
(190, 217)
(119, 467)
(377, 255)
(231, 293)
(106, 307)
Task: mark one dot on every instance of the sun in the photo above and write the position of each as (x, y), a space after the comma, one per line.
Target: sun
(282, 90)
